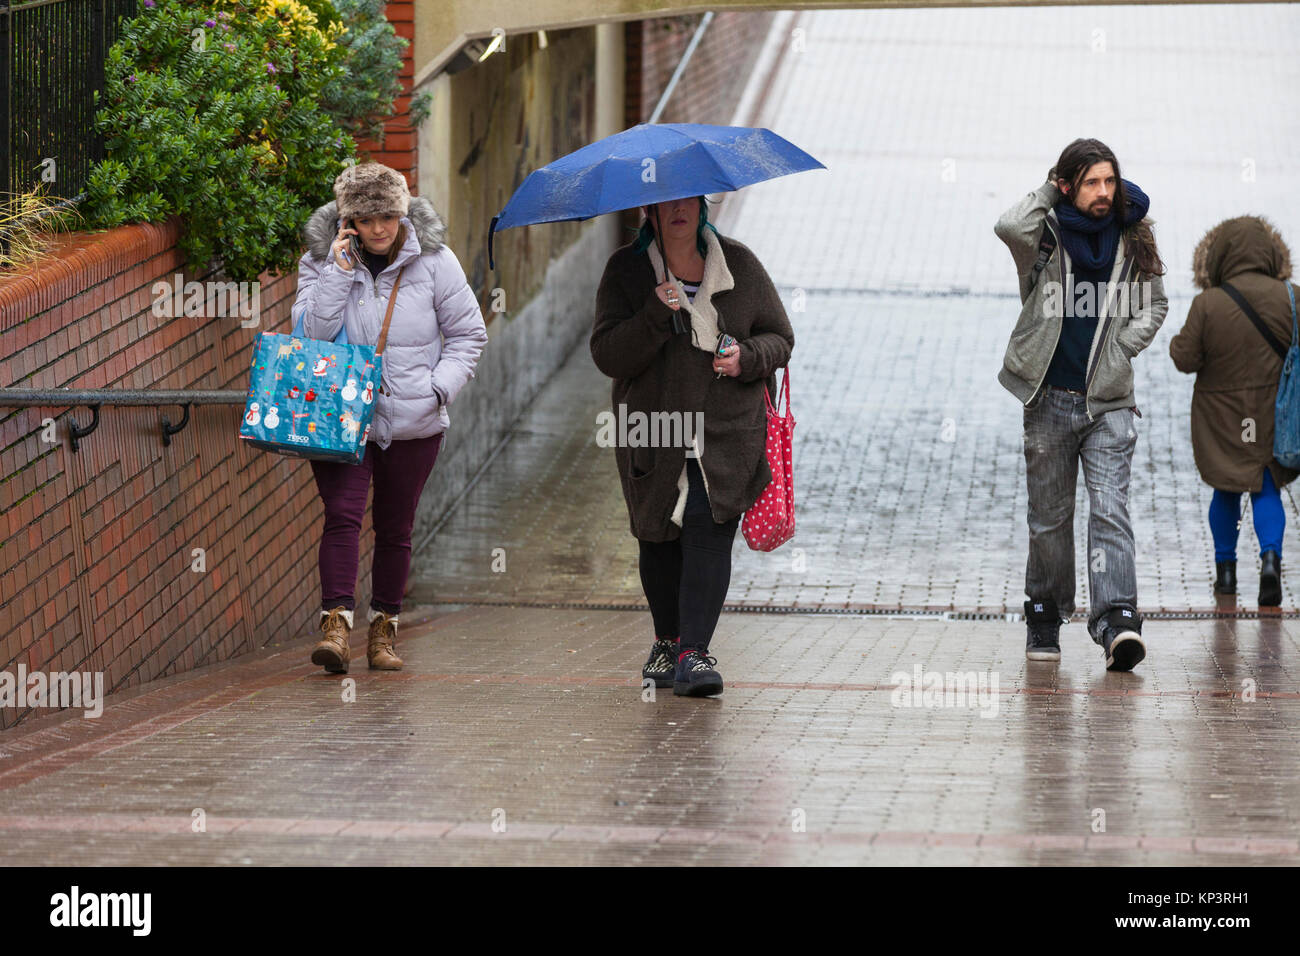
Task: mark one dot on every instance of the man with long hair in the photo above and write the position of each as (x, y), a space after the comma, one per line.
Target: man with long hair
(1092, 298)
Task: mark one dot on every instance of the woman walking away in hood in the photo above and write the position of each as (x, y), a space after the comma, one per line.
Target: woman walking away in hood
(1243, 266)
(373, 238)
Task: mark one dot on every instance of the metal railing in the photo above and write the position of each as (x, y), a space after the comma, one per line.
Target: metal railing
(52, 55)
(93, 398)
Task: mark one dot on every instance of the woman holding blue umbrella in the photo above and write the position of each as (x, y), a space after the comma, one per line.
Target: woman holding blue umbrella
(691, 329)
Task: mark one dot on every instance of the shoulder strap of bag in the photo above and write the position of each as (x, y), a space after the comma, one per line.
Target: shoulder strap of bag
(1046, 243)
(1251, 314)
(1295, 327)
(782, 390)
(388, 314)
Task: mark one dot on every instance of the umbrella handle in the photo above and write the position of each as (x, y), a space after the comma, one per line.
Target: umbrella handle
(491, 229)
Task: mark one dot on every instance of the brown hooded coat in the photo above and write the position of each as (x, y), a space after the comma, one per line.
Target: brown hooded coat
(1236, 370)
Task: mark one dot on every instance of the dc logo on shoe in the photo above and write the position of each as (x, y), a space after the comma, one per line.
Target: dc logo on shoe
(1126, 612)
(1038, 607)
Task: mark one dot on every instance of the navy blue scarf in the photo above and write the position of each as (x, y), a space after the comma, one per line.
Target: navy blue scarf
(1091, 242)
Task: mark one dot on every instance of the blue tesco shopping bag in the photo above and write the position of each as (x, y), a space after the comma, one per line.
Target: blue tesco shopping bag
(314, 399)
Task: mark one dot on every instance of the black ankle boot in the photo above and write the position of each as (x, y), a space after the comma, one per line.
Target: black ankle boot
(1270, 579)
(1225, 577)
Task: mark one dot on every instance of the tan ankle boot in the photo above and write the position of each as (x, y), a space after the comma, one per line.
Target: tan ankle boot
(379, 648)
(332, 651)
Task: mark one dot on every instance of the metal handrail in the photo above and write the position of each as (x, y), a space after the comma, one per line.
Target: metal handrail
(92, 398)
(25, 397)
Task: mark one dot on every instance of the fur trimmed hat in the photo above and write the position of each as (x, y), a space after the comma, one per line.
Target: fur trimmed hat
(371, 189)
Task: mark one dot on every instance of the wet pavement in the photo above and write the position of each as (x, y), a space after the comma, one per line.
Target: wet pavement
(519, 732)
(534, 721)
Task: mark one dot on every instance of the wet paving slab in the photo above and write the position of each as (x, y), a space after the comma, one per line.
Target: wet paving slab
(523, 735)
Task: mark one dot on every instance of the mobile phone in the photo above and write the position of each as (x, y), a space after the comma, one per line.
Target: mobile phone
(352, 248)
(725, 342)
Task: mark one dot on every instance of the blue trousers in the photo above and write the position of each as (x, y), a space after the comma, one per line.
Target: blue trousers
(1265, 507)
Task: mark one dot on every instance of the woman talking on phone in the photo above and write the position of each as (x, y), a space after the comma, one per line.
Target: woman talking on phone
(700, 343)
(357, 247)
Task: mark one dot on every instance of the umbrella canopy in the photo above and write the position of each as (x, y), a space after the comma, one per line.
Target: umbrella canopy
(647, 164)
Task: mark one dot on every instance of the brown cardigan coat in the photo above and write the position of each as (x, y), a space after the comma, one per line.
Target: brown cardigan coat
(1236, 370)
(655, 370)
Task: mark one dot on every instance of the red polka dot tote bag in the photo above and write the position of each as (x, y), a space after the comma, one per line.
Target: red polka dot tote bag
(770, 522)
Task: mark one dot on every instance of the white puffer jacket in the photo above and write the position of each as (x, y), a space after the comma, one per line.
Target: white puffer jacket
(437, 332)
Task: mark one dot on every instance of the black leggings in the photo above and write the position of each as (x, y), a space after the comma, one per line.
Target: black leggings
(686, 580)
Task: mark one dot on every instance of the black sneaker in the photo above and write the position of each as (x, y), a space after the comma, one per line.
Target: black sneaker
(695, 676)
(1121, 640)
(1043, 631)
(661, 665)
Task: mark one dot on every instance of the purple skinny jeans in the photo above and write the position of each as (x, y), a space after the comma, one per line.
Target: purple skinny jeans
(399, 475)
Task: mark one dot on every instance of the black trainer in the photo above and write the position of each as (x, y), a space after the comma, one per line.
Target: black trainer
(695, 675)
(1043, 631)
(1121, 639)
(661, 665)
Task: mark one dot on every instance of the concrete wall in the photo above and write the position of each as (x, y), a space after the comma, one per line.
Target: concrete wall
(490, 126)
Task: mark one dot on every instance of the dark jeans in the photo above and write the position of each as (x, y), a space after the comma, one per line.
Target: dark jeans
(1058, 438)
(399, 475)
(686, 580)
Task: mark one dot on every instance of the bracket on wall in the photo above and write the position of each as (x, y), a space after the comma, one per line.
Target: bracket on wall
(76, 433)
(168, 429)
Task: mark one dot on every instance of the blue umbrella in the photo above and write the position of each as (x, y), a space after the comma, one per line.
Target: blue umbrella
(648, 164)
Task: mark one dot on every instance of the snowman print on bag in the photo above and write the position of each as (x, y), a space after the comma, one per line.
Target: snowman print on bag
(254, 414)
(350, 390)
(368, 395)
(272, 417)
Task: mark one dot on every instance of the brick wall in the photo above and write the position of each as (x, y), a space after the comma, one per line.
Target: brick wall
(711, 87)
(96, 545)
(399, 148)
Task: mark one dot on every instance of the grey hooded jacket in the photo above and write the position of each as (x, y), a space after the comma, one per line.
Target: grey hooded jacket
(437, 331)
(1134, 309)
